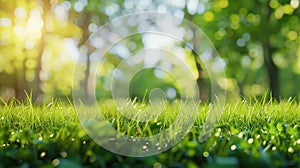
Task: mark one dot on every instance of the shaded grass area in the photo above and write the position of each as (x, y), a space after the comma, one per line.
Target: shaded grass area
(249, 134)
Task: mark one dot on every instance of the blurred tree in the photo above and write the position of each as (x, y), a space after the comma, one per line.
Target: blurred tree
(248, 34)
(28, 30)
(258, 39)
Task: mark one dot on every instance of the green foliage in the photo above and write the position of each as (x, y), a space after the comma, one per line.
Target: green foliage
(250, 134)
(239, 29)
(38, 51)
(146, 80)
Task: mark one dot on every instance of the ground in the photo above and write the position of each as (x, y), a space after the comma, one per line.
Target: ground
(249, 134)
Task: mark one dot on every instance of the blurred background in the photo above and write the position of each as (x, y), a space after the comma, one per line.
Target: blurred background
(40, 42)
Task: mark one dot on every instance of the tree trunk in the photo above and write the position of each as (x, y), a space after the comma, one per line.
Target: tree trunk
(272, 69)
(87, 82)
(202, 86)
(37, 91)
(20, 84)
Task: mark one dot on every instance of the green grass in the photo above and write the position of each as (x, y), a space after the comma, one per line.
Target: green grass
(249, 134)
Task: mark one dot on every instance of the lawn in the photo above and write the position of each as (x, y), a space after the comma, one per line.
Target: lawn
(249, 134)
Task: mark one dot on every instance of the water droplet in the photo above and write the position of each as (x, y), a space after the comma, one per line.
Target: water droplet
(274, 148)
(298, 141)
(112, 139)
(51, 135)
(145, 147)
(233, 147)
(63, 154)
(43, 154)
(290, 150)
(157, 165)
(55, 162)
(205, 154)
(250, 141)
(166, 145)
(264, 143)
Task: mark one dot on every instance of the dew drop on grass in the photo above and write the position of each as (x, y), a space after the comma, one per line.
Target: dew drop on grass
(40, 138)
(295, 126)
(205, 154)
(233, 147)
(145, 148)
(51, 135)
(250, 141)
(274, 148)
(63, 154)
(112, 139)
(290, 150)
(166, 145)
(157, 165)
(84, 142)
(298, 141)
(2, 118)
(55, 162)
(43, 154)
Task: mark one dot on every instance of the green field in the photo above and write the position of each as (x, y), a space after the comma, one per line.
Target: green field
(249, 134)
